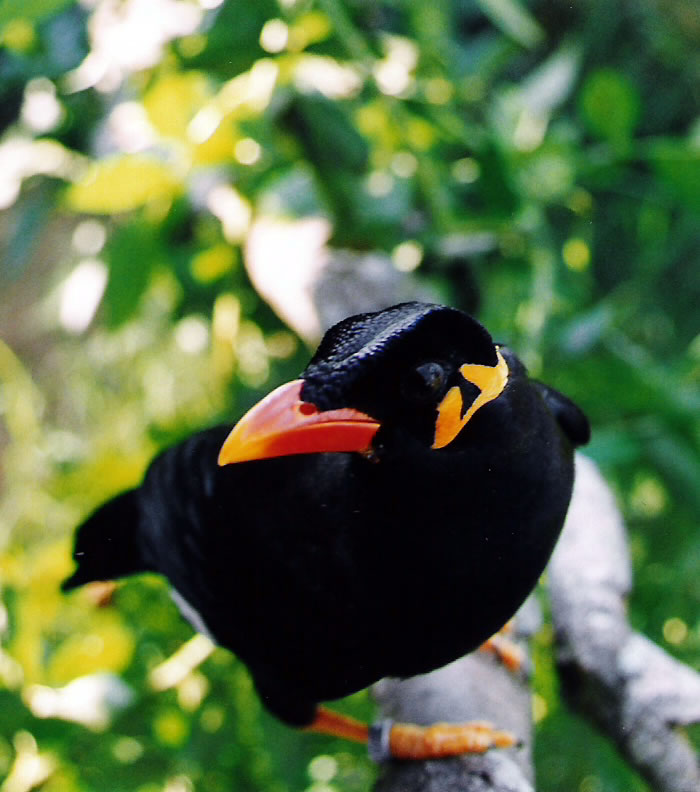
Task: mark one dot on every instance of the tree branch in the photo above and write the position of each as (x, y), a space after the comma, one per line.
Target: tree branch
(635, 692)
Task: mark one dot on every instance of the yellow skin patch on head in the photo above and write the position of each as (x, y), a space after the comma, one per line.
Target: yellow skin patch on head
(491, 380)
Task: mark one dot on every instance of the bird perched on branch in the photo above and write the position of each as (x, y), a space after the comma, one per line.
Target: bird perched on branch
(380, 516)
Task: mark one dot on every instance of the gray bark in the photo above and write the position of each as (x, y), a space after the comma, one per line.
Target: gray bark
(636, 693)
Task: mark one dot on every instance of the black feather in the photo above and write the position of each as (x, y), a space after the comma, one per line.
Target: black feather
(325, 572)
(107, 544)
(569, 416)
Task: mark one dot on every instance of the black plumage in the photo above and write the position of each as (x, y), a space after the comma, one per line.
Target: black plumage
(324, 572)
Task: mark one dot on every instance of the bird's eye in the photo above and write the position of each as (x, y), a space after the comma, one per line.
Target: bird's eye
(424, 383)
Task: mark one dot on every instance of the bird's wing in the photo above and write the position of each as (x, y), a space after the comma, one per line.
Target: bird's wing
(179, 504)
(569, 416)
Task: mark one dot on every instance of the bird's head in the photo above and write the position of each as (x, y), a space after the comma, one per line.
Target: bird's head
(415, 369)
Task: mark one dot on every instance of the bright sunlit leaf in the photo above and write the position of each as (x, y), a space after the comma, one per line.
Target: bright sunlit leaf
(174, 100)
(122, 183)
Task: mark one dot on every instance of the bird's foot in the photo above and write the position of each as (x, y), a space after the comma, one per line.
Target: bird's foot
(438, 741)
(505, 648)
(389, 740)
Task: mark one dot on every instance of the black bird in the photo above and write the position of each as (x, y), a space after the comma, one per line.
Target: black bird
(380, 516)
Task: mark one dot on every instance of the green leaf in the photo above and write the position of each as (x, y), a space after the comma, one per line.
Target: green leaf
(610, 105)
(678, 165)
(611, 446)
(233, 41)
(678, 460)
(514, 20)
(30, 10)
(327, 133)
(497, 190)
(131, 254)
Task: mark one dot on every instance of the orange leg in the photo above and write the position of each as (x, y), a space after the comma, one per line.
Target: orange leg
(406, 741)
(337, 725)
(445, 739)
(505, 649)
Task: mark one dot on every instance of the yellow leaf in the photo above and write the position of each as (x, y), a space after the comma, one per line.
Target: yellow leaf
(38, 604)
(123, 183)
(18, 35)
(43, 614)
(309, 28)
(106, 473)
(107, 647)
(174, 100)
(211, 264)
(218, 147)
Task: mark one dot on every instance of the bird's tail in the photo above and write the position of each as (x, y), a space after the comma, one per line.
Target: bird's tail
(106, 544)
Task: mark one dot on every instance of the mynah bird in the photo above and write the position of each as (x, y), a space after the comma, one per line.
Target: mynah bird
(382, 515)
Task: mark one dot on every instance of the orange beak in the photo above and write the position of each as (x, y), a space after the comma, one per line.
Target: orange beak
(282, 424)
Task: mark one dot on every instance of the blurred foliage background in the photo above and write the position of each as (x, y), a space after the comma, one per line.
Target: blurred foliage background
(172, 176)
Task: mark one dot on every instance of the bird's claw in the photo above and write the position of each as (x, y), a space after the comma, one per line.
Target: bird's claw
(407, 741)
(505, 649)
